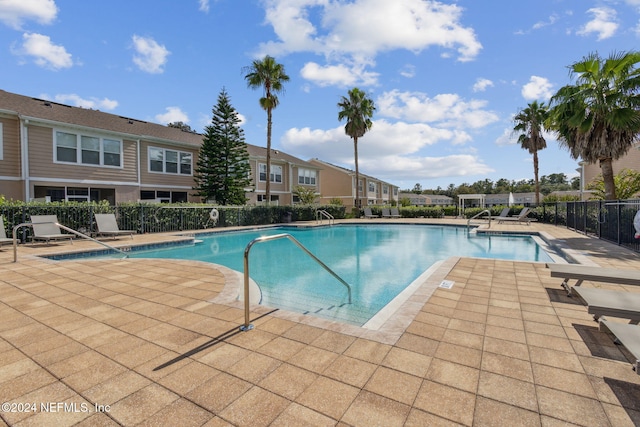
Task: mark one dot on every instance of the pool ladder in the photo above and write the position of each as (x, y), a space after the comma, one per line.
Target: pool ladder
(322, 213)
(247, 324)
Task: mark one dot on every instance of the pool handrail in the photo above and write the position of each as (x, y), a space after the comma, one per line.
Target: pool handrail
(70, 230)
(247, 323)
(487, 211)
(321, 212)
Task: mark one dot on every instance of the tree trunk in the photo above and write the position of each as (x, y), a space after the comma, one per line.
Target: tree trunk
(355, 155)
(535, 176)
(607, 177)
(267, 187)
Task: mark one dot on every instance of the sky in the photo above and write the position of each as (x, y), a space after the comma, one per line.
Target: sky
(446, 77)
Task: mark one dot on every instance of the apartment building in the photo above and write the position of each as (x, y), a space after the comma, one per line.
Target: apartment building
(339, 183)
(57, 152)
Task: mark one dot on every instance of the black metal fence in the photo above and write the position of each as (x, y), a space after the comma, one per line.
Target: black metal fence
(605, 219)
(156, 218)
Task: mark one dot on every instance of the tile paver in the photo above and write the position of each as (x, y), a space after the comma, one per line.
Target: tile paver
(504, 346)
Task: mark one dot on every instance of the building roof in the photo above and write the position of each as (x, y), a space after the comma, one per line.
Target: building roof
(261, 152)
(349, 171)
(44, 110)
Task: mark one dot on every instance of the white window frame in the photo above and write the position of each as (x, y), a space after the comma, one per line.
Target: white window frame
(372, 187)
(307, 176)
(182, 158)
(79, 150)
(262, 173)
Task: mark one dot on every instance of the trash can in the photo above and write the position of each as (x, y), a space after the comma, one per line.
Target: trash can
(286, 217)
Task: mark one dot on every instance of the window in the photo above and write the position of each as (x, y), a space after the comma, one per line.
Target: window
(275, 175)
(87, 150)
(385, 189)
(263, 198)
(170, 161)
(372, 187)
(164, 196)
(1, 147)
(360, 186)
(306, 176)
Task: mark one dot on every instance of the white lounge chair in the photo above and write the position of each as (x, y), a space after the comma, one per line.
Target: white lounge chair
(580, 273)
(4, 240)
(628, 336)
(45, 228)
(108, 226)
(521, 217)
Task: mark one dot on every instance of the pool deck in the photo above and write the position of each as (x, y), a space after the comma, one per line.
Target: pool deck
(156, 342)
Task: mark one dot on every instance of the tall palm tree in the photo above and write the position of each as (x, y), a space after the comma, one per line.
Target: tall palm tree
(270, 76)
(357, 109)
(529, 124)
(598, 118)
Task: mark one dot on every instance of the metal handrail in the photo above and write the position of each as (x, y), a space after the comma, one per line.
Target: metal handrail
(77, 233)
(320, 213)
(487, 211)
(247, 325)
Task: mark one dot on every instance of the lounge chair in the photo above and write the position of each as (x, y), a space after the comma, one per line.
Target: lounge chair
(386, 213)
(628, 336)
(45, 228)
(4, 240)
(369, 214)
(395, 213)
(503, 214)
(521, 217)
(595, 274)
(107, 226)
(605, 302)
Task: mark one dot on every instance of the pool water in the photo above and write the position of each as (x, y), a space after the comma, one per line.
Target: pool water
(378, 261)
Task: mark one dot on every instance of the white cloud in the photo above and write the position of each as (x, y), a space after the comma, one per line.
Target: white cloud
(387, 150)
(77, 101)
(603, 23)
(203, 6)
(150, 56)
(44, 52)
(447, 110)
(345, 30)
(14, 12)
(541, 24)
(482, 84)
(338, 75)
(408, 71)
(172, 115)
(538, 88)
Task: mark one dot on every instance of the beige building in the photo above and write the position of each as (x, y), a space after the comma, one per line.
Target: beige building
(56, 152)
(630, 161)
(339, 183)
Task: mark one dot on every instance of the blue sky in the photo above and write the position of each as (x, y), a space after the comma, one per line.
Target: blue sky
(446, 76)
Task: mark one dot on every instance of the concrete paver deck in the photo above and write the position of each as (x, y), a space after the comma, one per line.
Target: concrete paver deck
(155, 342)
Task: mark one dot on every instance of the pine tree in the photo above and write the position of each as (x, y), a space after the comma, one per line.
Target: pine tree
(222, 171)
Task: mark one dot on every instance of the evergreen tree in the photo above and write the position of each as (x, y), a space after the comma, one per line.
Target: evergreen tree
(222, 171)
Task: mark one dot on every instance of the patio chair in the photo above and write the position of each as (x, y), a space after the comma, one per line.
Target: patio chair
(521, 217)
(45, 228)
(628, 337)
(369, 214)
(580, 273)
(4, 240)
(503, 214)
(395, 213)
(605, 302)
(107, 226)
(386, 213)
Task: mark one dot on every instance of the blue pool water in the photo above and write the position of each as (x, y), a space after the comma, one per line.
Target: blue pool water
(378, 261)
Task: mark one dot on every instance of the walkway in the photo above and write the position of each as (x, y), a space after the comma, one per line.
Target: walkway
(150, 342)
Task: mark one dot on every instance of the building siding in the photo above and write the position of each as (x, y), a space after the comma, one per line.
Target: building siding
(10, 163)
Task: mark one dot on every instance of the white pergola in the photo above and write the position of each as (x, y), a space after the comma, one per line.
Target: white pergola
(462, 197)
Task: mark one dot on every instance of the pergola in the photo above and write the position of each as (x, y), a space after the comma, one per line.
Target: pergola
(463, 197)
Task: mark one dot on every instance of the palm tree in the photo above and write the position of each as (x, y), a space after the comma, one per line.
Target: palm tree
(357, 109)
(529, 124)
(270, 76)
(598, 118)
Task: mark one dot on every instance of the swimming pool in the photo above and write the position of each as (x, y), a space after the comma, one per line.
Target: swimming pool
(378, 261)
